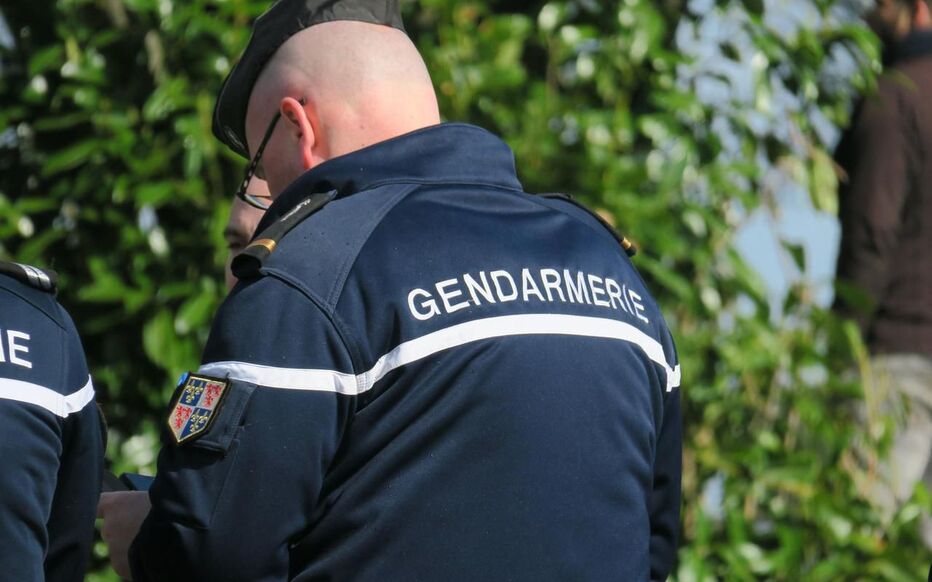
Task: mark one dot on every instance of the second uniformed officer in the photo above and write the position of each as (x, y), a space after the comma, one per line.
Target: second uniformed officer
(425, 373)
(51, 443)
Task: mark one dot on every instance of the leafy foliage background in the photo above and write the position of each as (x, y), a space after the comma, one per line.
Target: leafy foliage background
(109, 174)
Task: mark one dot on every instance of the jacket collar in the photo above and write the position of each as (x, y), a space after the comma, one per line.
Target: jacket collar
(449, 153)
(916, 44)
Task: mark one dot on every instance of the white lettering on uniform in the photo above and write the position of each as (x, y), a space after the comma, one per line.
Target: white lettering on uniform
(14, 348)
(551, 279)
(624, 293)
(473, 287)
(595, 283)
(614, 292)
(501, 286)
(496, 276)
(528, 286)
(638, 306)
(430, 304)
(445, 296)
(578, 292)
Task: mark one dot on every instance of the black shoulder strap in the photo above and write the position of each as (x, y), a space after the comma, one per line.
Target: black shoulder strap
(246, 265)
(44, 280)
(626, 244)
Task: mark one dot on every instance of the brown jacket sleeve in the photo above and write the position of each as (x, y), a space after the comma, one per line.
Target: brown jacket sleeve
(876, 155)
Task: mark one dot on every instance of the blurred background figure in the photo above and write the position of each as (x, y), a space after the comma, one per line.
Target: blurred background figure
(885, 265)
(246, 211)
(244, 217)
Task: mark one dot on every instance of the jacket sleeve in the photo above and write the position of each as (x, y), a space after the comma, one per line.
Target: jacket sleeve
(71, 523)
(48, 486)
(876, 156)
(665, 495)
(30, 442)
(228, 503)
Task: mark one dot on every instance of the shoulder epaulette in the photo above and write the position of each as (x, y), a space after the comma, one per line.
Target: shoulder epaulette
(246, 265)
(44, 280)
(626, 244)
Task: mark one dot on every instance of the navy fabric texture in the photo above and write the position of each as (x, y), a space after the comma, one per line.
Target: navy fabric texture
(51, 450)
(448, 379)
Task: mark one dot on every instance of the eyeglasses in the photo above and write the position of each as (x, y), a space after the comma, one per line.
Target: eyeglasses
(260, 202)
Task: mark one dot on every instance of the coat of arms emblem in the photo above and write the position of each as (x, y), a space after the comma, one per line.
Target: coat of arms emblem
(196, 406)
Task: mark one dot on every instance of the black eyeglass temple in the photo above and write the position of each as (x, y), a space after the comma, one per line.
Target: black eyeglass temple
(254, 163)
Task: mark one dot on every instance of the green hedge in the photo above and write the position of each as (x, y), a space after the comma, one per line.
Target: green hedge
(109, 174)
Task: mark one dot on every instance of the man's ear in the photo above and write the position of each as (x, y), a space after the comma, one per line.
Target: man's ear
(299, 122)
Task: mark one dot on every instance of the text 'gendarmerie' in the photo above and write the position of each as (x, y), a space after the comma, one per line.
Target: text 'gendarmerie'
(543, 285)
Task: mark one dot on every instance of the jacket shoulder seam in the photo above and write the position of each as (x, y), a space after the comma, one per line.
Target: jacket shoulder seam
(341, 330)
(336, 291)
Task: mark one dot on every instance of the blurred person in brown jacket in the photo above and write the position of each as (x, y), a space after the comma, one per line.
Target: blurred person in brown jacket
(885, 261)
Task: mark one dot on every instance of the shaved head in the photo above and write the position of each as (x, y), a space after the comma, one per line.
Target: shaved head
(339, 86)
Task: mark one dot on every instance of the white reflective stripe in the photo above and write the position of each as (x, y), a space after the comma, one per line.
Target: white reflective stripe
(56, 403)
(285, 378)
(76, 401)
(432, 343)
(510, 325)
(673, 377)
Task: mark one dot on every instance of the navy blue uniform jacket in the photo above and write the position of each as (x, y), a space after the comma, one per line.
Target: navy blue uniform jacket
(436, 377)
(51, 450)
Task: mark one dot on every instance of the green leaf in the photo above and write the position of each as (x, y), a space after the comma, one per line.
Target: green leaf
(70, 158)
(46, 59)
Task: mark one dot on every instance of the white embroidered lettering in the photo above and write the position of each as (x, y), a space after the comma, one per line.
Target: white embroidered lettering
(638, 306)
(446, 296)
(595, 283)
(502, 296)
(551, 280)
(614, 292)
(475, 288)
(528, 286)
(499, 286)
(14, 348)
(430, 304)
(577, 293)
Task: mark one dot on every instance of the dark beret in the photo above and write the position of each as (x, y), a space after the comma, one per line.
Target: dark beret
(270, 31)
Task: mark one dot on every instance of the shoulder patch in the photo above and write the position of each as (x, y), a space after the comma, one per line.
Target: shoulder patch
(246, 265)
(196, 406)
(32, 276)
